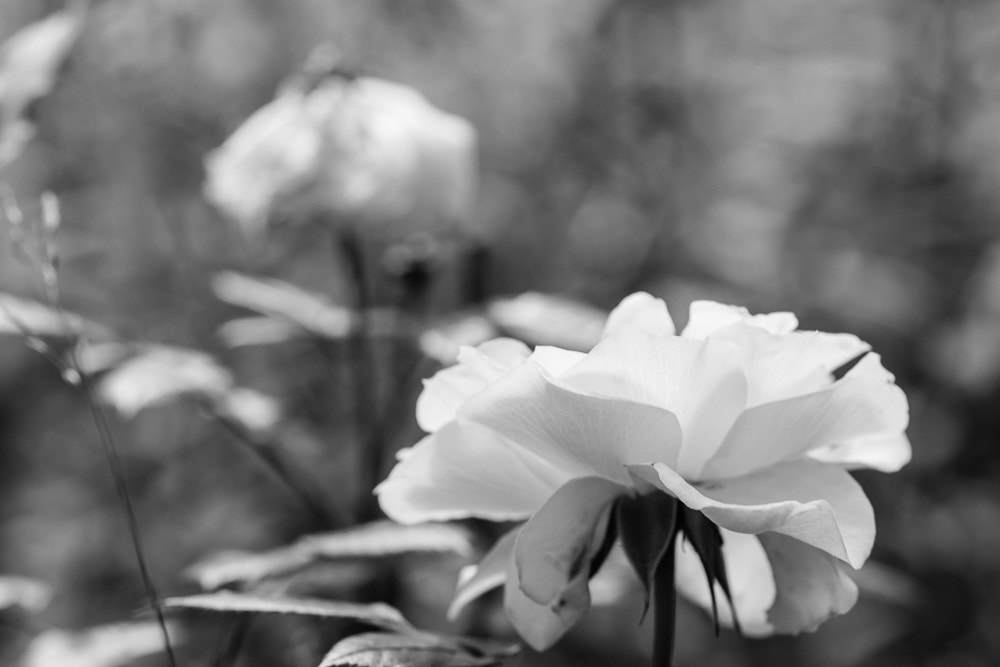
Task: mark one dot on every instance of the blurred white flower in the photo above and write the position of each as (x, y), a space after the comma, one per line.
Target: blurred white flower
(29, 64)
(363, 150)
(739, 417)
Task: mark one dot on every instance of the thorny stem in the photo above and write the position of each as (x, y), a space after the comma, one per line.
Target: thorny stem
(121, 489)
(664, 609)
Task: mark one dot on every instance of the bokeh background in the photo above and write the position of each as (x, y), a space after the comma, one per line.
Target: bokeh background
(836, 158)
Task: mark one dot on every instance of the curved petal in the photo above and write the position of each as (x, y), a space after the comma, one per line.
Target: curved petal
(558, 541)
(779, 584)
(643, 311)
(782, 366)
(783, 430)
(583, 435)
(751, 582)
(541, 625)
(556, 360)
(886, 453)
(702, 382)
(812, 586)
(816, 503)
(477, 367)
(490, 573)
(707, 317)
(466, 470)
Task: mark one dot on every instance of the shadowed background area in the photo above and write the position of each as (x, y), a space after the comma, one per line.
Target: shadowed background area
(836, 158)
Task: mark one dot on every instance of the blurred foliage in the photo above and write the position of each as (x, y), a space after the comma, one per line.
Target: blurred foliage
(836, 158)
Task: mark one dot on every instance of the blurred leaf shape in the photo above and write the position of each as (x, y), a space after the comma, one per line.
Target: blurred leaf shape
(29, 67)
(25, 317)
(380, 539)
(283, 302)
(442, 340)
(101, 646)
(377, 649)
(377, 614)
(28, 594)
(547, 319)
(159, 373)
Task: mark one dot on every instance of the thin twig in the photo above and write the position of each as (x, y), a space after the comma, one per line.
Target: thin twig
(124, 498)
(298, 484)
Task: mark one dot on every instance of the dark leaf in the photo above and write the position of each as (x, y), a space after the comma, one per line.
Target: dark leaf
(647, 525)
(707, 542)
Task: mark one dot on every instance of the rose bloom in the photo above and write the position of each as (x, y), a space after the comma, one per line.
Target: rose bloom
(358, 149)
(740, 417)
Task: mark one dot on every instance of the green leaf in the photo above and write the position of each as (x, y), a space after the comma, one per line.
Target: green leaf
(379, 539)
(29, 594)
(547, 319)
(415, 650)
(102, 646)
(285, 303)
(159, 373)
(24, 317)
(647, 525)
(707, 542)
(377, 614)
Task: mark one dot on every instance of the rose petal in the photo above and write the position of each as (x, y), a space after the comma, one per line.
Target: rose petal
(540, 625)
(583, 435)
(477, 367)
(557, 542)
(555, 360)
(812, 586)
(817, 503)
(701, 382)
(783, 430)
(643, 311)
(491, 572)
(887, 453)
(707, 317)
(782, 366)
(465, 470)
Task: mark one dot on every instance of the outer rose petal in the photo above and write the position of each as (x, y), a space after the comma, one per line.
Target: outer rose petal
(556, 543)
(477, 367)
(582, 435)
(816, 503)
(491, 572)
(812, 586)
(702, 382)
(542, 625)
(782, 366)
(779, 584)
(887, 451)
(642, 311)
(707, 317)
(555, 360)
(783, 430)
(466, 470)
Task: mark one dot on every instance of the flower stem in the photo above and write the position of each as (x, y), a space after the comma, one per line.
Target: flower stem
(664, 609)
